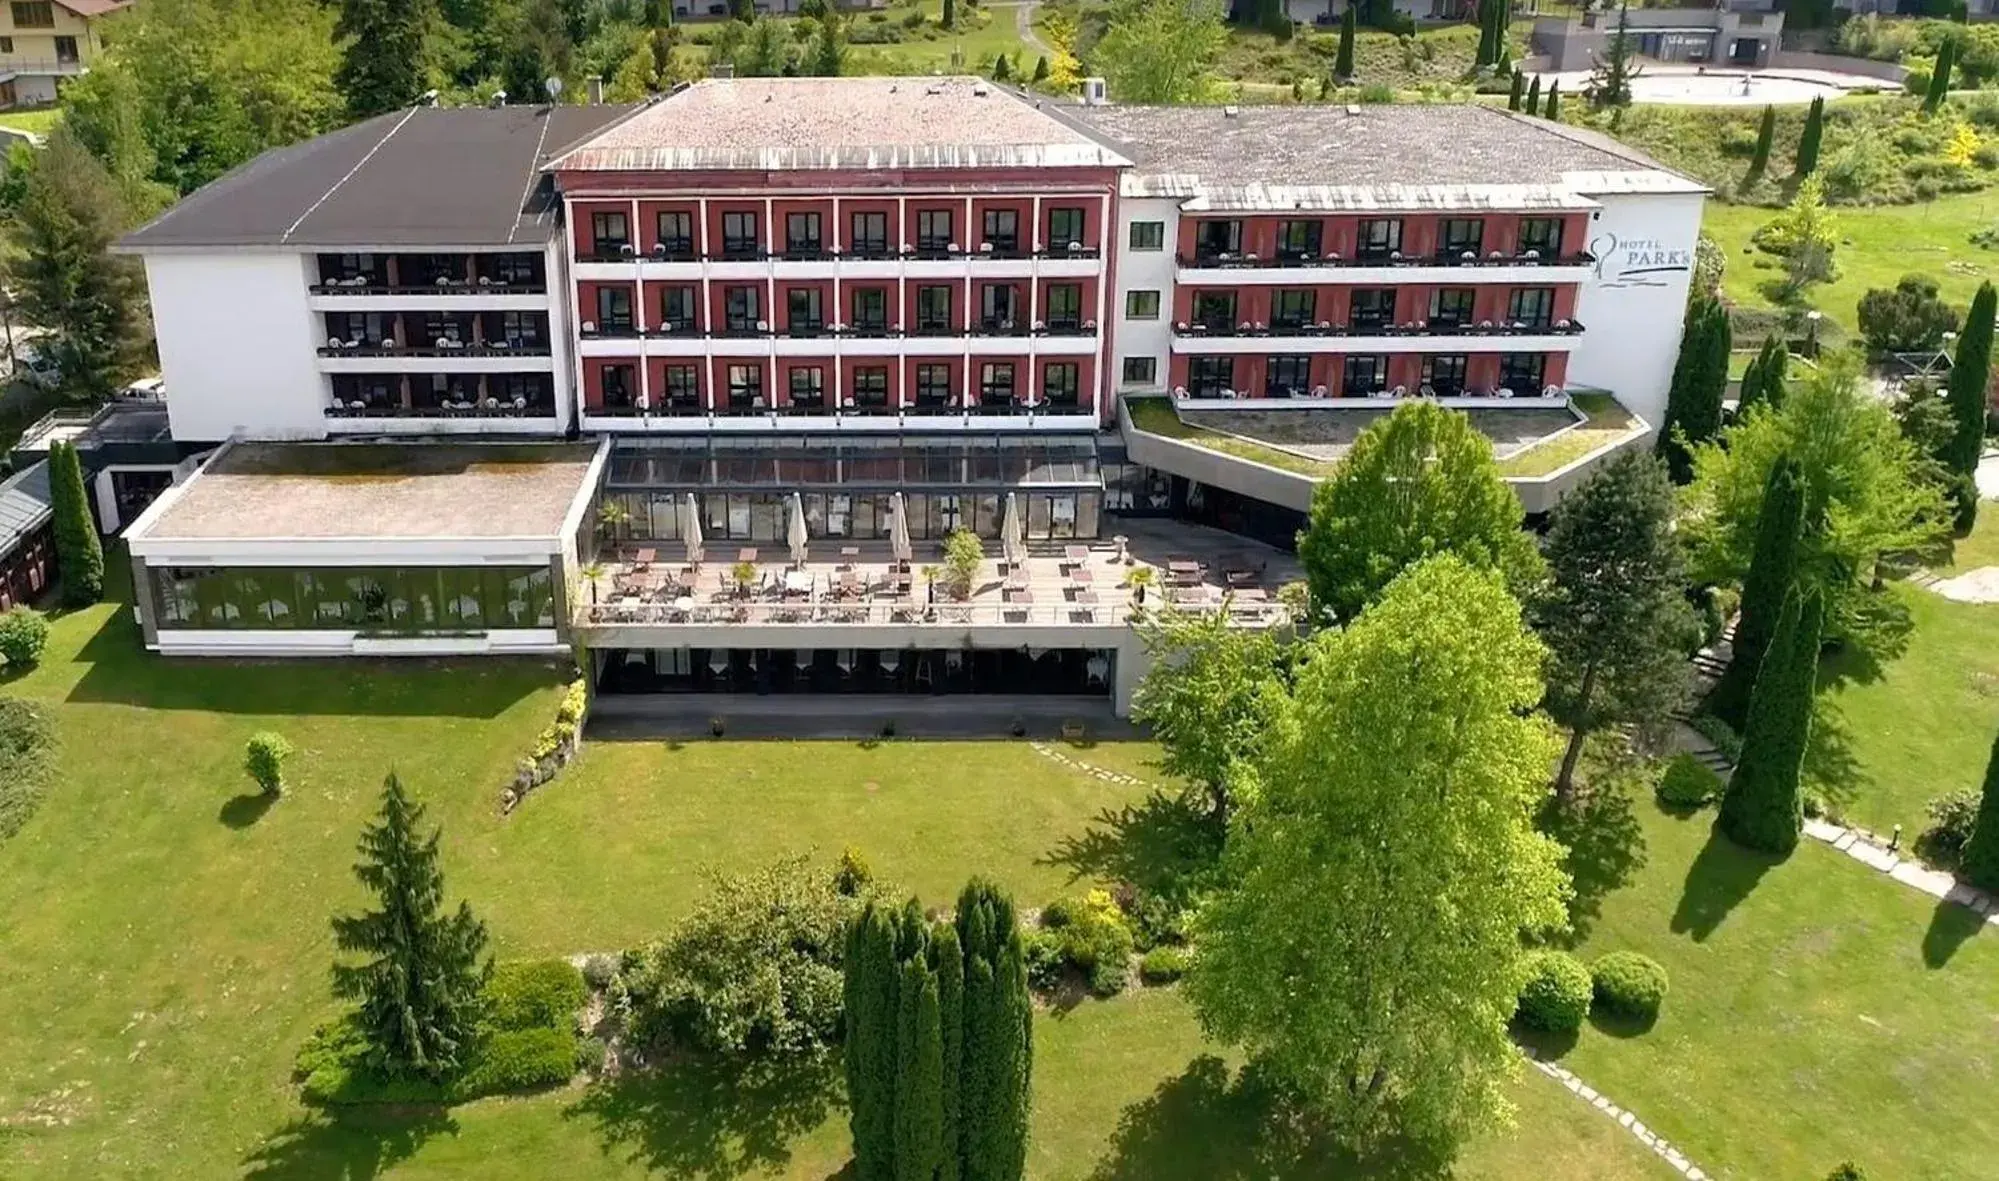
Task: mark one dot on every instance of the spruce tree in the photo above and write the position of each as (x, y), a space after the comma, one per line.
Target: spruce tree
(1980, 864)
(1773, 570)
(870, 995)
(1763, 808)
(950, 15)
(948, 963)
(1518, 92)
(1749, 389)
(1534, 96)
(1002, 69)
(1610, 81)
(1488, 49)
(1810, 140)
(1970, 375)
(1763, 381)
(1554, 111)
(1939, 88)
(1766, 134)
(418, 986)
(1041, 69)
(1699, 386)
(382, 68)
(919, 1081)
(1343, 56)
(79, 553)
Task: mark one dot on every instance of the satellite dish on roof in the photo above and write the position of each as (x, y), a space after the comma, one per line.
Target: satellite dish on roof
(554, 88)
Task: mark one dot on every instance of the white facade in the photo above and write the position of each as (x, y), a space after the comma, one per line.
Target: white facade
(238, 344)
(1144, 270)
(1634, 305)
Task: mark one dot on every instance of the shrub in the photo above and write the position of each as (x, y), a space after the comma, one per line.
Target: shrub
(1556, 994)
(963, 552)
(1163, 965)
(1095, 938)
(1628, 984)
(1909, 317)
(264, 760)
(1687, 784)
(1719, 732)
(24, 632)
(518, 1059)
(1846, 1170)
(1042, 953)
(1952, 816)
(524, 993)
(599, 970)
(27, 758)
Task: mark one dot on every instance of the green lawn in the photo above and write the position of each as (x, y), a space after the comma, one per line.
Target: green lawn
(39, 122)
(1878, 245)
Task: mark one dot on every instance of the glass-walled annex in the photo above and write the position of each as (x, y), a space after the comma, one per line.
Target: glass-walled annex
(388, 599)
(743, 486)
(932, 671)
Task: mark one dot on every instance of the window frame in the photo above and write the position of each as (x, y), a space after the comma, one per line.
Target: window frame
(607, 320)
(871, 323)
(1147, 235)
(1354, 311)
(745, 384)
(43, 8)
(868, 244)
(1074, 318)
(1374, 364)
(671, 382)
(1209, 375)
(926, 296)
(811, 320)
(678, 243)
(1141, 304)
(1515, 306)
(1147, 370)
(932, 375)
(1071, 382)
(1384, 244)
(1059, 243)
(603, 243)
(1297, 365)
(1457, 236)
(736, 244)
(1281, 317)
(1511, 370)
(689, 321)
(812, 388)
(990, 387)
(929, 240)
(804, 234)
(1453, 307)
(1528, 238)
(1452, 368)
(1001, 229)
(866, 378)
(1300, 238)
(745, 322)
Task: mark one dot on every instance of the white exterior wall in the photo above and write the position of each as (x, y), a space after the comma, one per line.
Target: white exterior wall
(1144, 270)
(238, 345)
(1633, 307)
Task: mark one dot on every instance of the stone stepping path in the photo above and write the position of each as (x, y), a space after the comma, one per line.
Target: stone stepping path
(1091, 769)
(1632, 1125)
(1868, 850)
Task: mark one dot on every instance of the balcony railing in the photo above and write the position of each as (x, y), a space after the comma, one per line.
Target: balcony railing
(1198, 329)
(624, 252)
(996, 407)
(894, 612)
(363, 285)
(389, 348)
(844, 332)
(1392, 258)
(488, 408)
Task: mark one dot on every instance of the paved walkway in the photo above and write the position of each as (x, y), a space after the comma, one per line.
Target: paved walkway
(1629, 1122)
(1023, 23)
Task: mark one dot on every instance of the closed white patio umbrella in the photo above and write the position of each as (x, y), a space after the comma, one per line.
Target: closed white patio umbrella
(690, 528)
(1013, 542)
(898, 529)
(794, 533)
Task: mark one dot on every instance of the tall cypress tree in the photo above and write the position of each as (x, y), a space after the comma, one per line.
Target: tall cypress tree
(1970, 375)
(919, 1076)
(1518, 92)
(1554, 110)
(1773, 569)
(1487, 52)
(1763, 808)
(948, 962)
(1534, 96)
(1940, 76)
(419, 986)
(998, 1051)
(1980, 865)
(1343, 59)
(870, 995)
(1699, 386)
(1749, 390)
(382, 68)
(1766, 134)
(1812, 138)
(1763, 381)
(79, 553)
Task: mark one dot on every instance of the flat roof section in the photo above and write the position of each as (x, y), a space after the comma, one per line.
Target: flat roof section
(385, 491)
(814, 123)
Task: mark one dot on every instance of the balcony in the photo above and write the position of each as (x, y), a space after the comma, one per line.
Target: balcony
(1486, 336)
(389, 348)
(1066, 338)
(1392, 266)
(484, 408)
(913, 259)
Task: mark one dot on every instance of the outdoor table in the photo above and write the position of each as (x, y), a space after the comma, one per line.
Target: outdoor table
(747, 554)
(646, 557)
(1016, 580)
(1183, 566)
(798, 582)
(1085, 597)
(1082, 575)
(1077, 554)
(850, 552)
(1019, 595)
(1252, 594)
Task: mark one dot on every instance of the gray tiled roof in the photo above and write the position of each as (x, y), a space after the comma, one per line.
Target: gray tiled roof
(24, 505)
(426, 177)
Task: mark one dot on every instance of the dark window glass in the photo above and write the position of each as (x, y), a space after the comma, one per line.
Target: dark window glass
(1461, 235)
(1064, 226)
(870, 310)
(1297, 239)
(740, 309)
(1141, 305)
(1001, 232)
(1363, 375)
(676, 309)
(870, 233)
(1373, 307)
(996, 381)
(1148, 235)
(1061, 382)
(933, 230)
(1141, 370)
(683, 386)
(1523, 373)
(802, 311)
(1213, 239)
(1445, 373)
(614, 309)
(1542, 235)
(801, 235)
(34, 14)
(1065, 305)
(997, 306)
(1209, 376)
(1379, 237)
(611, 232)
(808, 386)
(1293, 308)
(871, 386)
(676, 233)
(746, 384)
(739, 236)
(1451, 307)
(1215, 310)
(1288, 377)
(933, 309)
(1532, 306)
(618, 385)
(933, 384)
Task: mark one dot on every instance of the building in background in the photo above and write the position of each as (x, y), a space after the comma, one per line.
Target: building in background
(45, 42)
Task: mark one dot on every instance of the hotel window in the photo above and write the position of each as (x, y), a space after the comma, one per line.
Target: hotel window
(996, 382)
(1215, 238)
(1141, 370)
(802, 311)
(870, 234)
(801, 235)
(1141, 305)
(1293, 308)
(1364, 375)
(1445, 373)
(6, 45)
(871, 386)
(746, 385)
(870, 312)
(676, 309)
(740, 309)
(1542, 235)
(933, 230)
(998, 303)
(1215, 310)
(1061, 381)
(1451, 307)
(1299, 239)
(683, 386)
(1378, 237)
(521, 329)
(1001, 232)
(1065, 306)
(1288, 377)
(739, 236)
(933, 309)
(1523, 373)
(676, 234)
(367, 329)
(618, 385)
(1372, 307)
(349, 266)
(34, 14)
(1461, 235)
(442, 326)
(1148, 235)
(1065, 228)
(933, 385)
(1532, 306)
(808, 386)
(1209, 376)
(614, 309)
(532, 389)
(611, 234)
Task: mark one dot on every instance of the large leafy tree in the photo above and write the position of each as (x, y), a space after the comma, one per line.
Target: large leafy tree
(1700, 382)
(1980, 865)
(1764, 806)
(1162, 51)
(1366, 951)
(1866, 492)
(79, 552)
(1614, 616)
(1970, 377)
(90, 304)
(1773, 571)
(1206, 697)
(384, 64)
(421, 969)
(1419, 482)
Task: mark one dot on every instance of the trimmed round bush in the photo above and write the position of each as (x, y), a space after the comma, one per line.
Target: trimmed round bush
(1628, 984)
(1687, 784)
(1556, 995)
(24, 632)
(1163, 965)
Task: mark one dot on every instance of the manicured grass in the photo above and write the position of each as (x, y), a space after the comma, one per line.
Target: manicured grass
(1157, 416)
(1607, 421)
(39, 122)
(1818, 1011)
(1878, 245)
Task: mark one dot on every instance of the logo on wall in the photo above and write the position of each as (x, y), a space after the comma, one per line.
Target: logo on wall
(1636, 262)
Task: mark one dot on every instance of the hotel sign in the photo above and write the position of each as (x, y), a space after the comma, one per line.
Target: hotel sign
(1637, 262)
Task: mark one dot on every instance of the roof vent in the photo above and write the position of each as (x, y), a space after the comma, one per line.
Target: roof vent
(1094, 93)
(1353, 109)
(980, 89)
(934, 88)
(1231, 111)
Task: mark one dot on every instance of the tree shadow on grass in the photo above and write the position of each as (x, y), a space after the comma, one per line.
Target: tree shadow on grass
(1204, 1126)
(1951, 925)
(1620, 1025)
(1606, 845)
(1831, 768)
(1883, 619)
(346, 1143)
(246, 809)
(1157, 844)
(1721, 876)
(706, 1119)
